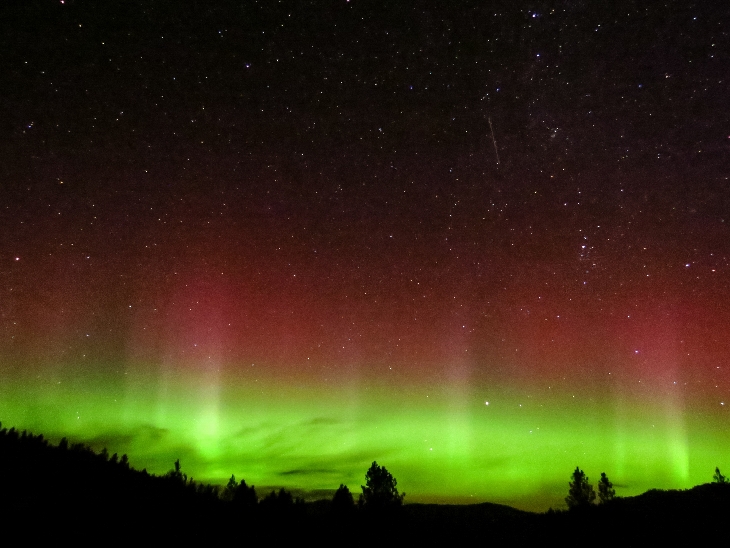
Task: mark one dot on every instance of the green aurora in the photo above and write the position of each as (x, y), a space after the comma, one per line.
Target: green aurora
(444, 445)
(480, 243)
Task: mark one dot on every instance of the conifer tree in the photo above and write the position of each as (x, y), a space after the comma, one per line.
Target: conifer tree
(606, 491)
(380, 489)
(342, 501)
(718, 477)
(580, 492)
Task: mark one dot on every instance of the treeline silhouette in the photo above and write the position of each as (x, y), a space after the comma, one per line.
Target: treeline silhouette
(49, 492)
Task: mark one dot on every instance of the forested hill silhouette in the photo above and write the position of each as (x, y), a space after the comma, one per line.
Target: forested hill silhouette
(67, 491)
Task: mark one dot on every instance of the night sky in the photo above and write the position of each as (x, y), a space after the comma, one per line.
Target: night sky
(478, 242)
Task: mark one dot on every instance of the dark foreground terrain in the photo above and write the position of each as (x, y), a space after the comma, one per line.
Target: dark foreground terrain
(70, 493)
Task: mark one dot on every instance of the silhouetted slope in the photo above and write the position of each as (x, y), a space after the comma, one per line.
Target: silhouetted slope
(696, 516)
(45, 487)
(49, 492)
(486, 522)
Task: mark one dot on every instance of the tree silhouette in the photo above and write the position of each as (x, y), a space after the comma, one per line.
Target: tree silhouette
(342, 501)
(240, 494)
(229, 489)
(580, 492)
(380, 489)
(718, 477)
(177, 474)
(282, 503)
(606, 491)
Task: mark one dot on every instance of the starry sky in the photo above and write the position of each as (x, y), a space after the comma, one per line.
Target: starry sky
(480, 243)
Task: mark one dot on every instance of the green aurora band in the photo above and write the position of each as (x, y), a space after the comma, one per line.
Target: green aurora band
(443, 445)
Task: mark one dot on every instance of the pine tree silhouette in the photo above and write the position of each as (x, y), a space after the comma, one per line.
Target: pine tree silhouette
(606, 491)
(380, 489)
(718, 477)
(580, 492)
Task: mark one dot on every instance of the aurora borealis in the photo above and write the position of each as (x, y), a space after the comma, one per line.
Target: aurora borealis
(275, 241)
